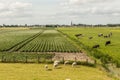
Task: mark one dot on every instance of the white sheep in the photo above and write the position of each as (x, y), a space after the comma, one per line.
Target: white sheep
(56, 63)
(46, 67)
(74, 63)
(66, 62)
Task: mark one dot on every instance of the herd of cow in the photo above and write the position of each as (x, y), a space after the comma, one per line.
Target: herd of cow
(99, 35)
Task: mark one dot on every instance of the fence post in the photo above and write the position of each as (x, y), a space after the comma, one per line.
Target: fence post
(54, 54)
(26, 59)
(75, 59)
(14, 59)
(95, 61)
(38, 59)
(2, 60)
(86, 60)
(45, 59)
(63, 60)
(51, 59)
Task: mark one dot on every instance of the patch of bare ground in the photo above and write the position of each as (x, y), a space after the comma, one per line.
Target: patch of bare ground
(73, 57)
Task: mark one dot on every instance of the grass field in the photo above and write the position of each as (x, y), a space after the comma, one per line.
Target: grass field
(38, 72)
(113, 49)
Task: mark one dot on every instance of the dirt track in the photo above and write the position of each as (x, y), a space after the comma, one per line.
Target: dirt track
(72, 57)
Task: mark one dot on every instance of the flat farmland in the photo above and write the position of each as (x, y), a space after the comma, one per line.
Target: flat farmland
(30, 43)
(9, 37)
(113, 50)
(35, 40)
(44, 45)
(38, 72)
(50, 41)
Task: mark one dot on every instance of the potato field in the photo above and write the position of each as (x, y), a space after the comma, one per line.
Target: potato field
(36, 40)
(33, 44)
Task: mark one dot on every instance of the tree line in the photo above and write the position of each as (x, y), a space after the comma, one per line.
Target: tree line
(63, 25)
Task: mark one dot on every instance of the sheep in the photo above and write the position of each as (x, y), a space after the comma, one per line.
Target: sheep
(56, 63)
(66, 62)
(74, 63)
(100, 34)
(46, 67)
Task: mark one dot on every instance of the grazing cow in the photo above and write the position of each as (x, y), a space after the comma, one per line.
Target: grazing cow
(107, 43)
(77, 35)
(90, 37)
(96, 46)
(106, 36)
(111, 33)
(100, 34)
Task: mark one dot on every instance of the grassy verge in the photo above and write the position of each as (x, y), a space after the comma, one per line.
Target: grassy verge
(38, 72)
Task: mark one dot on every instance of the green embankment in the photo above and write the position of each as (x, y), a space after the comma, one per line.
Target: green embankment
(38, 72)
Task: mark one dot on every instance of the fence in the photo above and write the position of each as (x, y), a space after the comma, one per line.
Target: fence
(25, 57)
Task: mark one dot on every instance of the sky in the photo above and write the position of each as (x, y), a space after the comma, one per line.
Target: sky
(59, 11)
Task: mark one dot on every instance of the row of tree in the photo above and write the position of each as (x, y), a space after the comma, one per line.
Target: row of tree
(97, 25)
(57, 25)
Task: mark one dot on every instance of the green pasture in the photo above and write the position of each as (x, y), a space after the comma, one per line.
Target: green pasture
(113, 49)
(38, 72)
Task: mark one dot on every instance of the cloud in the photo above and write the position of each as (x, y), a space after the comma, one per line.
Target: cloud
(91, 7)
(14, 9)
(81, 2)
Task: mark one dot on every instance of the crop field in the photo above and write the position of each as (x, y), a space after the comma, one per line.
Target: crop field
(35, 40)
(50, 41)
(10, 37)
(113, 50)
(21, 44)
(38, 72)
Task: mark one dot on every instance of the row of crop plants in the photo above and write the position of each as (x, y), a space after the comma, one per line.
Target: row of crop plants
(10, 38)
(24, 42)
(50, 42)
